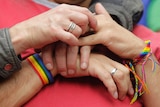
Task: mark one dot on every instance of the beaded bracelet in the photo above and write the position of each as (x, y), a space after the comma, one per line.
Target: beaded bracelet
(37, 64)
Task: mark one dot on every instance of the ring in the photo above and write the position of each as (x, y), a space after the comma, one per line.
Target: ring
(113, 71)
(72, 26)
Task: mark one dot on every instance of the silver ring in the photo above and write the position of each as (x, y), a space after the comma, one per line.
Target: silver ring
(72, 26)
(113, 71)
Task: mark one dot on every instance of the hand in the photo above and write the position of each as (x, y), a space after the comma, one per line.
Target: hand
(100, 66)
(52, 26)
(113, 36)
(66, 57)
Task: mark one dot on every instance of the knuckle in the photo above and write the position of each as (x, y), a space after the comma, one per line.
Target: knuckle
(107, 77)
(120, 76)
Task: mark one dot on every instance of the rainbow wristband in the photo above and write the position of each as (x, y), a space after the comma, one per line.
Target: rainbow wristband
(145, 51)
(38, 65)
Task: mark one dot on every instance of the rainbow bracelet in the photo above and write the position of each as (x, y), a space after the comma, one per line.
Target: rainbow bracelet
(38, 65)
(145, 51)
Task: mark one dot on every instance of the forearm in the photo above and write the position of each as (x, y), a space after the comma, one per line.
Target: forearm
(18, 33)
(151, 99)
(20, 87)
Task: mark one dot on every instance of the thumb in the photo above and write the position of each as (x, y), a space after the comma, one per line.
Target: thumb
(99, 9)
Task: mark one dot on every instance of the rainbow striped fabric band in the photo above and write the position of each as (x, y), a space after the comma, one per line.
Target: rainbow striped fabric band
(38, 65)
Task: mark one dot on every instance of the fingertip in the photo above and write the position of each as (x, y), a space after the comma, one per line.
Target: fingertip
(49, 66)
(71, 71)
(63, 73)
(99, 8)
(84, 65)
(131, 91)
(115, 95)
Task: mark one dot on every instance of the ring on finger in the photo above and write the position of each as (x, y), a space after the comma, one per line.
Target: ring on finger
(72, 26)
(113, 71)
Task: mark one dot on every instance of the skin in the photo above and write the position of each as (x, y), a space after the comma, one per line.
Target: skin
(106, 34)
(55, 30)
(64, 56)
(24, 35)
(99, 66)
(66, 60)
(127, 50)
(27, 80)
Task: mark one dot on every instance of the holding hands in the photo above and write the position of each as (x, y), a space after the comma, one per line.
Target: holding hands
(116, 38)
(65, 23)
(57, 32)
(99, 66)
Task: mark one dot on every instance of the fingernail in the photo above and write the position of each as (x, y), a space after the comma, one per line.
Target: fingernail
(70, 71)
(131, 91)
(49, 66)
(115, 95)
(63, 73)
(84, 65)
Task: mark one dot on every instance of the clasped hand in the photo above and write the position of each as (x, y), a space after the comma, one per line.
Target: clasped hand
(113, 37)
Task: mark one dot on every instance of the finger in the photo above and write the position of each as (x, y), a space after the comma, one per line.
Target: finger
(108, 81)
(66, 37)
(84, 54)
(60, 57)
(101, 10)
(81, 20)
(72, 53)
(91, 18)
(47, 53)
(131, 90)
(89, 40)
(75, 29)
(122, 80)
(122, 88)
(102, 70)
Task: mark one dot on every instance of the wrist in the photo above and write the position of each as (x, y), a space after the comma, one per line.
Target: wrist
(18, 39)
(20, 87)
(138, 48)
(37, 64)
(145, 53)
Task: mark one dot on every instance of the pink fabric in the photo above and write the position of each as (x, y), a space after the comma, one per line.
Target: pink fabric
(14, 11)
(79, 92)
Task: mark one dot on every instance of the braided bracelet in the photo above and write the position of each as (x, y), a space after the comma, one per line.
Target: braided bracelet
(140, 84)
(145, 51)
(37, 64)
